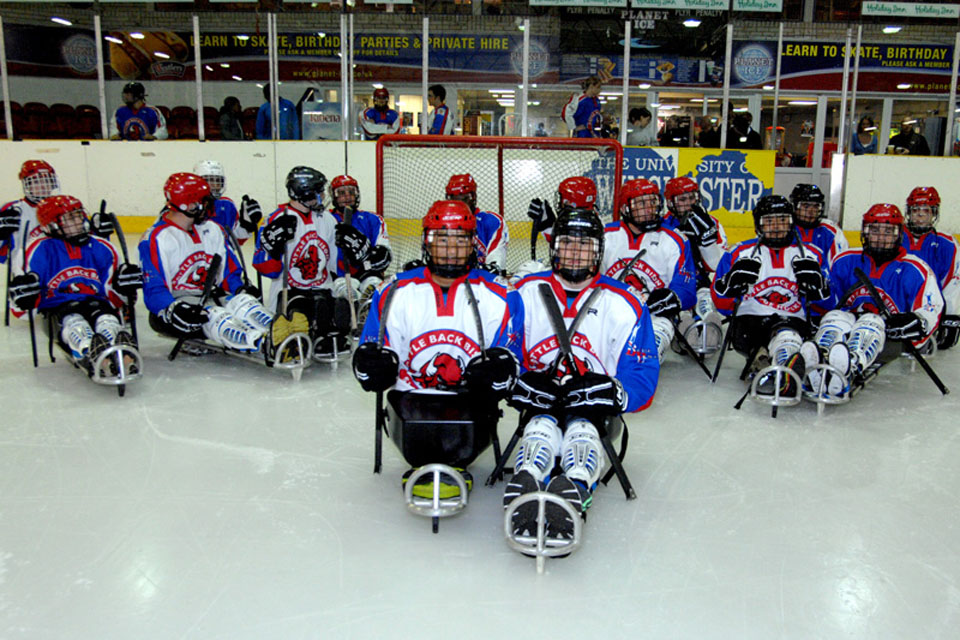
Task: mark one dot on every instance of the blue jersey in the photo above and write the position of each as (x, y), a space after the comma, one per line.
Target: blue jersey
(493, 237)
(937, 250)
(376, 123)
(226, 215)
(371, 225)
(136, 125)
(70, 273)
(827, 237)
(442, 122)
(582, 115)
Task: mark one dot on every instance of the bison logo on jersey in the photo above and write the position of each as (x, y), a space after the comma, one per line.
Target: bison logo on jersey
(443, 371)
(309, 263)
(564, 370)
(309, 260)
(192, 272)
(81, 288)
(775, 298)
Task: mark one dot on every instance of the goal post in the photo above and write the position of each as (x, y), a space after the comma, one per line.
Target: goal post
(412, 173)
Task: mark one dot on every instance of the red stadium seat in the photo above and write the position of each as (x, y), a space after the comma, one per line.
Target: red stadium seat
(60, 124)
(35, 115)
(248, 122)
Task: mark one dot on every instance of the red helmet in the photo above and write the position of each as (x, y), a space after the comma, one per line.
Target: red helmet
(344, 181)
(923, 196)
(32, 167)
(50, 209)
(884, 214)
(185, 189)
(578, 192)
(678, 186)
(461, 184)
(635, 189)
(445, 216)
(450, 215)
(50, 212)
(381, 94)
(39, 180)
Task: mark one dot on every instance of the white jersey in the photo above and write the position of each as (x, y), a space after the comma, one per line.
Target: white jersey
(435, 333)
(709, 257)
(666, 263)
(615, 336)
(12, 247)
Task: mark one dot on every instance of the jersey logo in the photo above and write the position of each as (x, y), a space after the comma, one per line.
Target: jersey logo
(443, 371)
(192, 273)
(74, 280)
(779, 294)
(309, 260)
(308, 263)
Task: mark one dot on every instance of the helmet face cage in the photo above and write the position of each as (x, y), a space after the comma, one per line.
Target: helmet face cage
(469, 198)
(212, 172)
(217, 184)
(39, 185)
(577, 247)
(808, 201)
(643, 211)
(305, 186)
(72, 226)
(922, 218)
(881, 240)
(381, 99)
(346, 196)
(775, 229)
(449, 253)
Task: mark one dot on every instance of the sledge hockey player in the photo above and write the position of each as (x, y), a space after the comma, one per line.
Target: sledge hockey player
(176, 254)
(612, 368)
(366, 236)
(444, 328)
(708, 243)
(939, 252)
(297, 250)
(379, 119)
(812, 224)
(664, 275)
(767, 284)
(75, 279)
(492, 233)
(39, 181)
(852, 336)
(243, 223)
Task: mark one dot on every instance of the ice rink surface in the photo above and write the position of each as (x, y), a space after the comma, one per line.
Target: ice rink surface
(221, 500)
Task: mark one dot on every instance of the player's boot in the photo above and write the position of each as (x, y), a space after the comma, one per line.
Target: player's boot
(811, 355)
(788, 386)
(282, 328)
(449, 488)
(124, 339)
(108, 368)
(840, 359)
(525, 517)
(559, 525)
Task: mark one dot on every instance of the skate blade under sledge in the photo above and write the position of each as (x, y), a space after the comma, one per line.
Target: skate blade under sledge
(850, 388)
(705, 337)
(331, 357)
(115, 356)
(777, 399)
(294, 354)
(540, 546)
(298, 341)
(435, 507)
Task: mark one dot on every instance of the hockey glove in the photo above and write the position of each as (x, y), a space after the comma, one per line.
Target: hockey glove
(353, 243)
(810, 280)
(535, 390)
(948, 331)
(542, 215)
(663, 303)
(742, 275)
(529, 267)
(379, 258)
(250, 214)
(128, 279)
(491, 267)
(275, 235)
(375, 368)
(9, 222)
(904, 326)
(492, 374)
(101, 225)
(25, 291)
(341, 288)
(413, 264)
(185, 317)
(699, 228)
(594, 396)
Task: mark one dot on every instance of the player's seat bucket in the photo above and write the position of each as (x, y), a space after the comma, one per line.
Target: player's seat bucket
(439, 427)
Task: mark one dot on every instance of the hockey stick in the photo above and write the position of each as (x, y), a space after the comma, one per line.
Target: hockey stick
(6, 301)
(381, 418)
(132, 297)
(235, 246)
(907, 344)
(33, 337)
(347, 219)
(208, 284)
(729, 335)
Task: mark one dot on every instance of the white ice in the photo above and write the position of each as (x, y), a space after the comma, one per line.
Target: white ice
(220, 500)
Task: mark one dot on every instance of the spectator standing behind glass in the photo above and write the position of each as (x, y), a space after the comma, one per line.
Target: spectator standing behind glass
(709, 137)
(864, 139)
(741, 135)
(289, 123)
(540, 132)
(230, 128)
(644, 132)
(908, 142)
(135, 120)
(441, 119)
(582, 112)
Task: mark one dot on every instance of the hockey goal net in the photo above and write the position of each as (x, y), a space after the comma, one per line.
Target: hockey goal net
(412, 173)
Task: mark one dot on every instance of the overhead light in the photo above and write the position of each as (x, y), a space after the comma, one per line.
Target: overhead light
(237, 78)
(533, 85)
(613, 97)
(691, 23)
(62, 21)
(802, 103)
(903, 86)
(534, 103)
(208, 68)
(696, 99)
(113, 40)
(520, 27)
(869, 128)
(654, 104)
(136, 35)
(225, 65)
(259, 86)
(741, 109)
(243, 37)
(377, 85)
(161, 54)
(500, 91)
(768, 87)
(321, 34)
(909, 122)
(892, 29)
(643, 85)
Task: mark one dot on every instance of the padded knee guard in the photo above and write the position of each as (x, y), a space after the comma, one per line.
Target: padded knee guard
(249, 311)
(108, 325)
(228, 331)
(866, 340)
(834, 327)
(663, 333)
(75, 332)
(581, 454)
(783, 345)
(539, 447)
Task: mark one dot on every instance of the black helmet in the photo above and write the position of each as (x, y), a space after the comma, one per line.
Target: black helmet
(773, 206)
(577, 223)
(807, 193)
(306, 184)
(136, 90)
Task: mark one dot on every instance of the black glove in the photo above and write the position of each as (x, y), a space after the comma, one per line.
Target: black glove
(352, 242)
(663, 303)
(101, 225)
(492, 267)
(492, 374)
(375, 367)
(810, 280)
(904, 326)
(9, 222)
(250, 290)
(743, 274)
(25, 291)
(379, 258)
(699, 227)
(542, 215)
(185, 317)
(594, 396)
(413, 264)
(535, 390)
(274, 236)
(127, 279)
(948, 331)
(250, 214)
